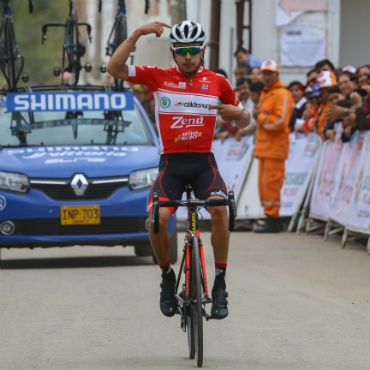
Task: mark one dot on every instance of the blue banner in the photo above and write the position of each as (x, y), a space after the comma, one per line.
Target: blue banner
(70, 101)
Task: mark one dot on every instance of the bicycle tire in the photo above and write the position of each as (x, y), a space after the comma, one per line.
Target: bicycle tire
(196, 307)
(10, 65)
(190, 332)
(76, 65)
(121, 32)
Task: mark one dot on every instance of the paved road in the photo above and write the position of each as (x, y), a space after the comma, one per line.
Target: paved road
(296, 302)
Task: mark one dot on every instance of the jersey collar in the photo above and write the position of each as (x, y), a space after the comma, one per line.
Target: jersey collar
(200, 70)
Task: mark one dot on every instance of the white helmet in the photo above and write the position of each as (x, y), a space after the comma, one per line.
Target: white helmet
(187, 32)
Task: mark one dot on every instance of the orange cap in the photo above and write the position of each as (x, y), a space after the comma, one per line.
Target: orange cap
(270, 65)
(326, 79)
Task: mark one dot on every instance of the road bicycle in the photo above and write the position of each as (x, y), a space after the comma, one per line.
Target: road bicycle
(11, 62)
(118, 33)
(193, 295)
(73, 48)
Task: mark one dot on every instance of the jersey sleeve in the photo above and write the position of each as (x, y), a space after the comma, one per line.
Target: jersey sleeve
(228, 95)
(143, 75)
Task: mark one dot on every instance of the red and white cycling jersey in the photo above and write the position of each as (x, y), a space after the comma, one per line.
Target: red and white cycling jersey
(184, 122)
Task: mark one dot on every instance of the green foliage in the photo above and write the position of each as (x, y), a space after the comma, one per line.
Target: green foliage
(39, 59)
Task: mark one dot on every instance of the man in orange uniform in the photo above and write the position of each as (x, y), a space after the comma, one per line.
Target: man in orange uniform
(325, 80)
(272, 115)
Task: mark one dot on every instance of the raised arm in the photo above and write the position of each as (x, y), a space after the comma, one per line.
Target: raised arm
(117, 66)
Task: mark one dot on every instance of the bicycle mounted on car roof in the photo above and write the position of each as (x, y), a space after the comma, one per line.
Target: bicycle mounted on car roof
(11, 62)
(73, 49)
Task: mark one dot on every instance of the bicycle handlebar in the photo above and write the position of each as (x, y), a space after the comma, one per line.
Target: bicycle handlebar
(193, 202)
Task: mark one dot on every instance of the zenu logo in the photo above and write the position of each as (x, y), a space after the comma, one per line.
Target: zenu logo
(79, 184)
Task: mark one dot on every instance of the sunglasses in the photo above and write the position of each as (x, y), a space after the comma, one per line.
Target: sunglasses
(192, 50)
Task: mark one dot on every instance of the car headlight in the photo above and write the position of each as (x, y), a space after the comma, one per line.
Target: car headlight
(142, 179)
(14, 182)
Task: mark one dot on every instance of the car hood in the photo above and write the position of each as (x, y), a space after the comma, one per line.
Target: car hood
(64, 161)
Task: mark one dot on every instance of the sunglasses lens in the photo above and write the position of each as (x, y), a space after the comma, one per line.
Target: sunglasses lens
(192, 50)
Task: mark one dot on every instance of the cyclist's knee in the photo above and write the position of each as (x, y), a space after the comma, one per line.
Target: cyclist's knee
(164, 218)
(217, 213)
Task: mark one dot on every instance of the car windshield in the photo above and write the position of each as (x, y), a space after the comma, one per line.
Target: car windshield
(74, 128)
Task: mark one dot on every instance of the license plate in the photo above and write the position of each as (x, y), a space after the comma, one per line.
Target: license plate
(79, 215)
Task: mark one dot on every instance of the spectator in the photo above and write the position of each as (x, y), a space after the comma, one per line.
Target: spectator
(364, 75)
(296, 89)
(227, 129)
(362, 109)
(243, 90)
(346, 84)
(256, 89)
(245, 98)
(329, 128)
(334, 94)
(311, 112)
(324, 65)
(243, 56)
(272, 115)
(241, 71)
(326, 79)
(349, 120)
(311, 77)
(256, 75)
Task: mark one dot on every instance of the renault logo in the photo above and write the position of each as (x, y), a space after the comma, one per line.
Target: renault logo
(79, 184)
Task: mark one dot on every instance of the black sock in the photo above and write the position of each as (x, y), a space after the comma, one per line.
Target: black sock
(220, 277)
(168, 272)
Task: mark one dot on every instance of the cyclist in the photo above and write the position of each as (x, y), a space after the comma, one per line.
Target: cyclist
(187, 98)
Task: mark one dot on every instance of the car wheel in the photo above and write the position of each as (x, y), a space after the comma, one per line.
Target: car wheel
(143, 249)
(173, 249)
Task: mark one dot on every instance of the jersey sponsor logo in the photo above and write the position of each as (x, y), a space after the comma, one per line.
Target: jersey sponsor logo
(204, 87)
(165, 102)
(181, 122)
(196, 105)
(189, 135)
(181, 85)
(219, 192)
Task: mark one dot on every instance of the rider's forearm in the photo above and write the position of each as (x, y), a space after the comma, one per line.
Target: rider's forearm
(244, 120)
(117, 66)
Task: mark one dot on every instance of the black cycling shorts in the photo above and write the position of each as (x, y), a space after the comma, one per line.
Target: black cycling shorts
(179, 169)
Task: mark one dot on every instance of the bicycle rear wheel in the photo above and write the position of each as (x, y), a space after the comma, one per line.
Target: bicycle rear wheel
(196, 307)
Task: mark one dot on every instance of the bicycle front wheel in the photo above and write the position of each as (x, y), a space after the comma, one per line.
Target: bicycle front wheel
(196, 307)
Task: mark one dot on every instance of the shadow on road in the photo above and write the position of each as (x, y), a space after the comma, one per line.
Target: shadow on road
(75, 262)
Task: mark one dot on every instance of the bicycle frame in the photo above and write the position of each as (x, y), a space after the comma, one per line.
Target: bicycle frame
(73, 49)
(192, 230)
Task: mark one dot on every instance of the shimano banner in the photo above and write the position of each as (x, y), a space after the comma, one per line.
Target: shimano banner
(70, 101)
